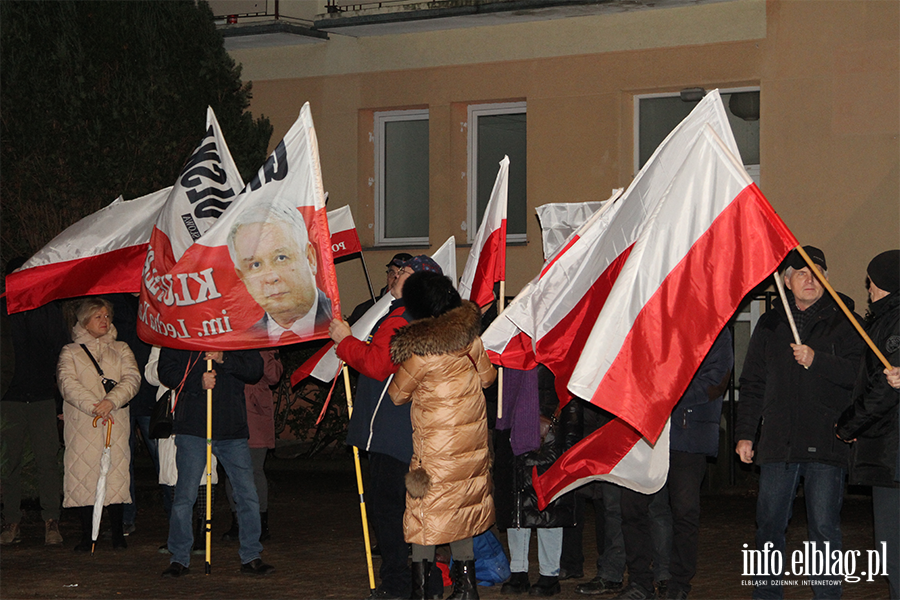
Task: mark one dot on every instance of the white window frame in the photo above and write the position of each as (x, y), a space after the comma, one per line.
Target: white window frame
(473, 112)
(752, 170)
(380, 118)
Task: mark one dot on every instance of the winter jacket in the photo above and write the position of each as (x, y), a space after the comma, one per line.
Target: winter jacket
(443, 368)
(81, 389)
(798, 406)
(872, 418)
(514, 495)
(260, 404)
(696, 417)
(229, 418)
(377, 425)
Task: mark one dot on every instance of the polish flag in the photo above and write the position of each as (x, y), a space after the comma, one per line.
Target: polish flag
(324, 365)
(626, 314)
(345, 242)
(101, 254)
(486, 264)
(104, 253)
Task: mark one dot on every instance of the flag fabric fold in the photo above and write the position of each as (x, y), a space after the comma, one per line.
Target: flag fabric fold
(625, 313)
(486, 264)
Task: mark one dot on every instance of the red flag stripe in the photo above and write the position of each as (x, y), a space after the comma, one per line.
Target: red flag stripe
(560, 348)
(491, 266)
(114, 272)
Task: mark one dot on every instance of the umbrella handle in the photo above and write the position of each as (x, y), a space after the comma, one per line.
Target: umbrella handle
(109, 423)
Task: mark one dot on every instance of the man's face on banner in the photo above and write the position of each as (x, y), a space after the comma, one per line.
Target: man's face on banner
(277, 269)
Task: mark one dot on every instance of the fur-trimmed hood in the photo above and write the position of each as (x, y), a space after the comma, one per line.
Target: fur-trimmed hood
(451, 332)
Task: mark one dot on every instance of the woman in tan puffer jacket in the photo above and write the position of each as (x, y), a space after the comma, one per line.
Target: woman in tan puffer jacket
(85, 398)
(443, 368)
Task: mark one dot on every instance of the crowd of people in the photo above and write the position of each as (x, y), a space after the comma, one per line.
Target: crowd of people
(817, 406)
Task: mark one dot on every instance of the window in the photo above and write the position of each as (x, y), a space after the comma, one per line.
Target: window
(495, 131)
(401, 177)
(656, 115)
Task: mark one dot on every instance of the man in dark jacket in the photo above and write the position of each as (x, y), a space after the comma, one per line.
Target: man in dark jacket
(384, 430)
(693, 435)
(871, 421)
(793, 393)
(186, 372)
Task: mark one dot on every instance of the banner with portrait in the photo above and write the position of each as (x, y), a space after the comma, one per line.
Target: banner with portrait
(262, 274)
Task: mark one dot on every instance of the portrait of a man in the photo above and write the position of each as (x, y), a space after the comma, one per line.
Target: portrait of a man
(273, 257)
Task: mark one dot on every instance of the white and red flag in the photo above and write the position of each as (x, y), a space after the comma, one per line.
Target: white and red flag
(324, 365)
(101, 254)
(262, 274)
(486, 264)
(104, 253)
(345, 242)
(626, 313)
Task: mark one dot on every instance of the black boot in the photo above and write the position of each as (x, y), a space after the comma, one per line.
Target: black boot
(421, 574)
(264, 526)
(86, 516)
(233, 533)
(465, 586)
(116, 513)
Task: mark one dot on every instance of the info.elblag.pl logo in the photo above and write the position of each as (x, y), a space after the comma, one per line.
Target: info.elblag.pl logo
(814, 562)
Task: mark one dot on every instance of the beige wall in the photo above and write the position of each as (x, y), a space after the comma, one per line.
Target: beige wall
(828, 74)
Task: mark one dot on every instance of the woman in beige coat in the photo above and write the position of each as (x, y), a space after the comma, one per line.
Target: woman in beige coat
(85, 398)
(443, 368)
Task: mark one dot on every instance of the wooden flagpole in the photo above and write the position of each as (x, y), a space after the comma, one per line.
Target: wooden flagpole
(500, 307)
(843, 306)
(359, 485)
(787, 309)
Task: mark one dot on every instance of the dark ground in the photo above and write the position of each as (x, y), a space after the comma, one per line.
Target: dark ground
(317, 547)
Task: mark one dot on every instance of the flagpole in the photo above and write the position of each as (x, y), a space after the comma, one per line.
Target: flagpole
(359, 486)
(787, 309)
(207, 527)
(843, 306)
(500, 307)
(366, 273)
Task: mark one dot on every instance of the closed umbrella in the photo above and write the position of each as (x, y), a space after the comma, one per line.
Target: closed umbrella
(100, 495)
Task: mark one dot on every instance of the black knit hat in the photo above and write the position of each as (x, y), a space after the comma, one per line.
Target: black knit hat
(884, 271)
(795, 261)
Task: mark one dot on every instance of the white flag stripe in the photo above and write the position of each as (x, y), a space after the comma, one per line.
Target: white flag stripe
(120, 224)
(560, 220)
(340, 219)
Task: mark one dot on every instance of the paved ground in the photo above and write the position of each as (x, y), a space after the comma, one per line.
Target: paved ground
(317, 547)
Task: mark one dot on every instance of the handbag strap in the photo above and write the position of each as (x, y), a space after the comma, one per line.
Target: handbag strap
(93, 360)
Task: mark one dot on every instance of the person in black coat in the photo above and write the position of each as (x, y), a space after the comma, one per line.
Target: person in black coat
(792, 393)
(186, 373)
(871, 421)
